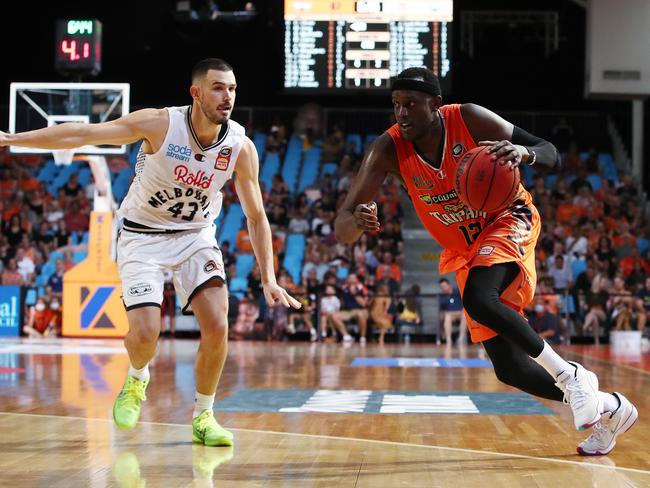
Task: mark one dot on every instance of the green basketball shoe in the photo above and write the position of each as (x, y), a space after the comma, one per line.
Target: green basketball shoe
(206, 430)
(126, 409)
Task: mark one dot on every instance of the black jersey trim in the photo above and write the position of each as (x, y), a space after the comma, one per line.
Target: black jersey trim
(225, 128)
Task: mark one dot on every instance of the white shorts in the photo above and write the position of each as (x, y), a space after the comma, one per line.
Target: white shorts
(192, 256)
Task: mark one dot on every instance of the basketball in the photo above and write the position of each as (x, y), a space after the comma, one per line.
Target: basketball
(483, 185)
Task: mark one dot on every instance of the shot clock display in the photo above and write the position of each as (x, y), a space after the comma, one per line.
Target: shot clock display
(78, 49)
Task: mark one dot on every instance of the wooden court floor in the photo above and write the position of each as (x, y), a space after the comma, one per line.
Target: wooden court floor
(305, 415)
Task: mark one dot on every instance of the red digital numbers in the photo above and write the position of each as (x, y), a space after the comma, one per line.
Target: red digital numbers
(69, 48)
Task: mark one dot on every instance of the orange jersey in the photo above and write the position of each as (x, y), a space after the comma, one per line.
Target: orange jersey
(450, 222)
(470, 238)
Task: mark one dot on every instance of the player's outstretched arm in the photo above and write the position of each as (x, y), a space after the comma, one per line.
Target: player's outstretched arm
(147, 124)
(509, 144)
(358, 213)
(249, 193)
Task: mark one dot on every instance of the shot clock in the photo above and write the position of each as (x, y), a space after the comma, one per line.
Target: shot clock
(78, 49)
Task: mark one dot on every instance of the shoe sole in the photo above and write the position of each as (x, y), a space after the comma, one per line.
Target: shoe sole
(629, 423)
(222, 442)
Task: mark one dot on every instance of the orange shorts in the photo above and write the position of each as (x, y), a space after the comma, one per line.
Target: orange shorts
(510, 238)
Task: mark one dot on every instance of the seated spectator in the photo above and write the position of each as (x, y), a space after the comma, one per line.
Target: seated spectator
(314, 261)
(330, 306)
(379, 311)
(561, 274)
(14, 231)
(304, 314)
(624, 241)
(11, 276)
(576, 243)
(25, 265)
(299, 223)
(451, 308)
(408, 311)
(388, 269)
(43, 237)
(168, 307)
(72, 188)
(621, 304)
(68, 260)
(545, 323)
(40, 320)
(276, 142)
(247, 316)
(354, 303)
(62, 236)
(55, 282)
(75, 219)
(643, 304)
(596, 308)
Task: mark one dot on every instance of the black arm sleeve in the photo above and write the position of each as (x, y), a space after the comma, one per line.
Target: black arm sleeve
(544, 153)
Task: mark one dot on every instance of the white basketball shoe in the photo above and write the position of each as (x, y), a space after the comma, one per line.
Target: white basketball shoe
(611, 424)
(580, 389)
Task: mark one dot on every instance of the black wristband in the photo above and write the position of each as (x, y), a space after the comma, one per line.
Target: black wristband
(532, 156)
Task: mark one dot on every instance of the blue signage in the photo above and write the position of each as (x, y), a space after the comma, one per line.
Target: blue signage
(10, 316)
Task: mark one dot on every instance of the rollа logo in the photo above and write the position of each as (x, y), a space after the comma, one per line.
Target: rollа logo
(198, 179)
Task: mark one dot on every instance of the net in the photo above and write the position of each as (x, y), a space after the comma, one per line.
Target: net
(63, 156)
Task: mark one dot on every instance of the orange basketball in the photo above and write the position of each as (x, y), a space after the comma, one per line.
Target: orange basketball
(484, 185)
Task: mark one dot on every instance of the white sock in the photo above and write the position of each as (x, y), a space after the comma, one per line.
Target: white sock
(141, 374)
(610, 402)
(551, 361)
(201, 403)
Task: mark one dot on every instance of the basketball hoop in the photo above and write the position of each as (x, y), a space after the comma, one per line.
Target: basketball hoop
(63, 156)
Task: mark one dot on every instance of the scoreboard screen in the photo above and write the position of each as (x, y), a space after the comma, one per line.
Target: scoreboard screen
(358, 45)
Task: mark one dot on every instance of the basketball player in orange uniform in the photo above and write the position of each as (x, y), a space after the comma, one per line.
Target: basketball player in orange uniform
(492, 254)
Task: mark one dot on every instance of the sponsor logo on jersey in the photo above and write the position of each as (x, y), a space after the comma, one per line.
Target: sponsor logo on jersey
(199, 157)
(210, 266)
(440, 198)
(486, 250)
(223, 159)
(456, 213)
(198, 179)
(140, 289)
(182, 153)
(422, 183)
(457, 150)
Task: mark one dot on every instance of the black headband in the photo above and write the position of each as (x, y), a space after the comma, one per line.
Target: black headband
(428, 87)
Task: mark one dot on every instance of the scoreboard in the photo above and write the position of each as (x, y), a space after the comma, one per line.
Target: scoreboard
(358, 45)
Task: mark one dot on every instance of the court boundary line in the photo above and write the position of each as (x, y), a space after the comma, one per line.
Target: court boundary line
(611, 362)
(372, 441)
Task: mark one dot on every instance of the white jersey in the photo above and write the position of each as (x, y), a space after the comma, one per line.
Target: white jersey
(179, 187)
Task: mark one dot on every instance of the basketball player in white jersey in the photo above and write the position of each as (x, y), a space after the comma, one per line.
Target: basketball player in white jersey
(187, 155)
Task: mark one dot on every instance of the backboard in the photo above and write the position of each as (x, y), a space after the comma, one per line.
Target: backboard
(38, 105)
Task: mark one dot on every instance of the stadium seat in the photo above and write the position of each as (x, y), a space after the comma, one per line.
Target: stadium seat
(79, 256)
(356, 140)
(237, 286)
(329, 168)
(369, 139)
(595, 181)
(572, 305)
(577, 267)
(310, 169)
(231, 224)
(244, 264)
(642, 245)
(259, 139)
